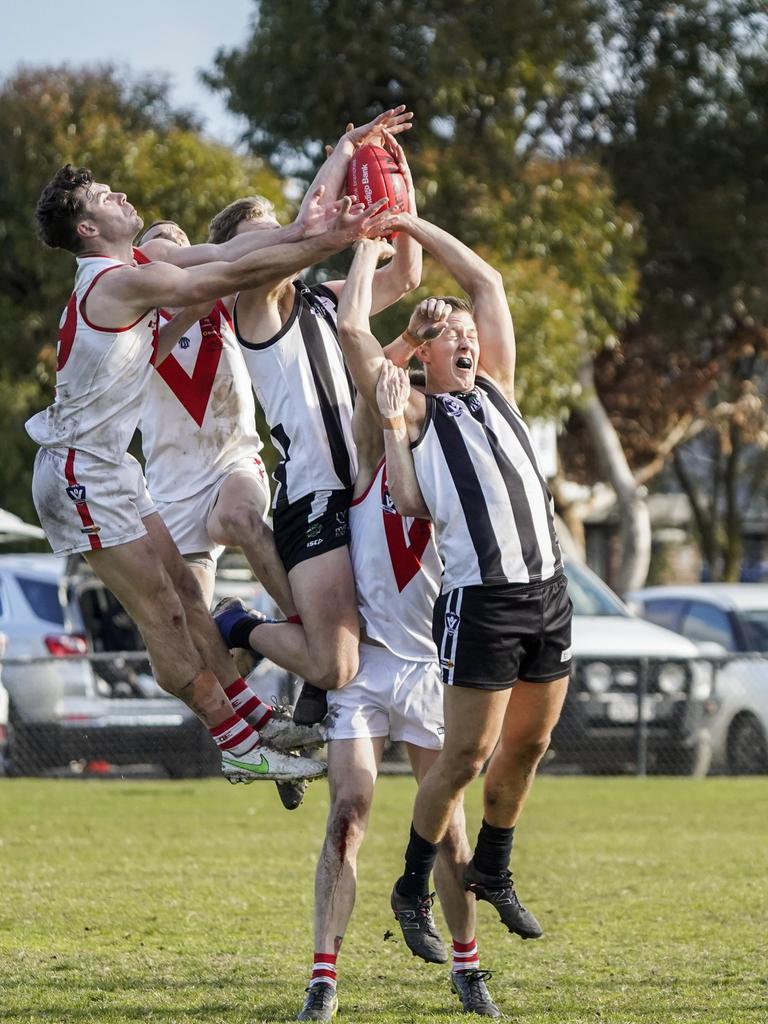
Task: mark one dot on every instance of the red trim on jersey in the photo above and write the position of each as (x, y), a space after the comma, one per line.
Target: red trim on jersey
(194, 392)
(95, 327)
(67, 333)
(81, 506)
(405, 556)
(225, 313)
(141, 258)
(364, 495)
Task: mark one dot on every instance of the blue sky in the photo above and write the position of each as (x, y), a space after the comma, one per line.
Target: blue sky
(175, 36)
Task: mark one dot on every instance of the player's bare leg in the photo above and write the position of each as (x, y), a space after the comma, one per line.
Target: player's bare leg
(455, 853)
(236, 521)
(531, 715)
(473, 721)
(352, 769)
(136, 574)
(324, 648)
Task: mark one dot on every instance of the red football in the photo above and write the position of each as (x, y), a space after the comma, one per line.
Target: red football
(373, 174)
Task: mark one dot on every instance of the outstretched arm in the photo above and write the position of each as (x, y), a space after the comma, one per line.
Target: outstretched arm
(482, 283)
(392, 392)
(311, 220)
(132, 290)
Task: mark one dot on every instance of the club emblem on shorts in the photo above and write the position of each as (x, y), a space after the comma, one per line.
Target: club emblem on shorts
(451, 405)
(314, 531)
(76, 492)
(184, 342)
(341, 524)
(90, 530)
(452, 621)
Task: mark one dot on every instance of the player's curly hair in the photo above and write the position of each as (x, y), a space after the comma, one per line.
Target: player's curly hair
(61, 206)
(224, 224)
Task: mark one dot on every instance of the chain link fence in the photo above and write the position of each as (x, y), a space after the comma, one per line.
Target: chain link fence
(103, 713)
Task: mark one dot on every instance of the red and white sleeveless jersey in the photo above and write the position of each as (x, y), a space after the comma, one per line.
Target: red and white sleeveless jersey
(101, 374)
(397, 572)
(199, 414)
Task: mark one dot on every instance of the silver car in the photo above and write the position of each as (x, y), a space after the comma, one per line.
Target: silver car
(60, 710)
(729, 623)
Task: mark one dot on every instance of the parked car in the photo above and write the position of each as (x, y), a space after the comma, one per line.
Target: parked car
(616, 654)
(730, 623)
(61, 710)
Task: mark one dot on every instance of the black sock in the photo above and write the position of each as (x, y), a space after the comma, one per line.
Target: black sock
(419, 858)
(238, 635)
(494, 849)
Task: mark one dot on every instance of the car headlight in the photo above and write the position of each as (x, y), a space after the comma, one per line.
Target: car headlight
(702, 681)
(598, 676)
(672, 678)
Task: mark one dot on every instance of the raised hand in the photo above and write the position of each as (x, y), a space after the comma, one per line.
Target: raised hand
(353, 220)
(394, 121)
(380, 247)
(428, 321)
(392, 390)
(397, 153)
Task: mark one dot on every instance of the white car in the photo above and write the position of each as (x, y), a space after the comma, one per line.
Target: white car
(639, 694)
(729, 622)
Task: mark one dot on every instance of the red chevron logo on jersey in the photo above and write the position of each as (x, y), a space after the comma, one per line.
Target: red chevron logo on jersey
(405, 549)
(194, 392)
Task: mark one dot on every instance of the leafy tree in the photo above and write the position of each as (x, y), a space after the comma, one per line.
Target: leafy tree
(128, 133)
(682, 133)
(496, 89)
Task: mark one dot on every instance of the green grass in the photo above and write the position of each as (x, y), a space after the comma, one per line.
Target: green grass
(192, 902)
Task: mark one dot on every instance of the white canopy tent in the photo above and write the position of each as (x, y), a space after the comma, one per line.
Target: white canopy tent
(12, 529)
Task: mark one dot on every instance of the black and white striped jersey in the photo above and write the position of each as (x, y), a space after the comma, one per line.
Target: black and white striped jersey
(484, 488)
(302, 383)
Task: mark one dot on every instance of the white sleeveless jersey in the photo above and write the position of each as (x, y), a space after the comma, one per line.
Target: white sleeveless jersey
(307, 396)
(101, 375)
(397, 572)
(486, 493)
(199, 415)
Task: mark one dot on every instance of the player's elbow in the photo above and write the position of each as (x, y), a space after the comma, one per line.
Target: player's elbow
(488, 281)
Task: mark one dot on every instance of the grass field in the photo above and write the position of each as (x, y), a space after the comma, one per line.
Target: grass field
(192, 902)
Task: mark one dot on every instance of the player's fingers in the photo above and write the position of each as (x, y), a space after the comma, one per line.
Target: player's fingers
(345, 205)
(328, 151)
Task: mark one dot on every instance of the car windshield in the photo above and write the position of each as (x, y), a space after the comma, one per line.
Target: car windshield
(590, 595)
(755, 623)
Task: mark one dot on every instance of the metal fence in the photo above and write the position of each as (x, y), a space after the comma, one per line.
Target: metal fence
(104, 714)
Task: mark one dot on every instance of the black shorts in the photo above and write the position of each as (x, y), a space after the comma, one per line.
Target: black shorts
(314, 524)
(490, 636)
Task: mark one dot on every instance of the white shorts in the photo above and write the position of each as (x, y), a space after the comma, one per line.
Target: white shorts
(85, 503)
(390, 696)
(187, 518)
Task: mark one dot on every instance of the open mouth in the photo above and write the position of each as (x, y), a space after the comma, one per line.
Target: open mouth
(464, 363)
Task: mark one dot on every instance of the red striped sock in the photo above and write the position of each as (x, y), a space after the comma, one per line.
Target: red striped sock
(235, 736)
(464, 956)
(247, 705)
(324, 969)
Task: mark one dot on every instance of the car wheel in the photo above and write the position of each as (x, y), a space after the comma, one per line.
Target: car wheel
(747, 747)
